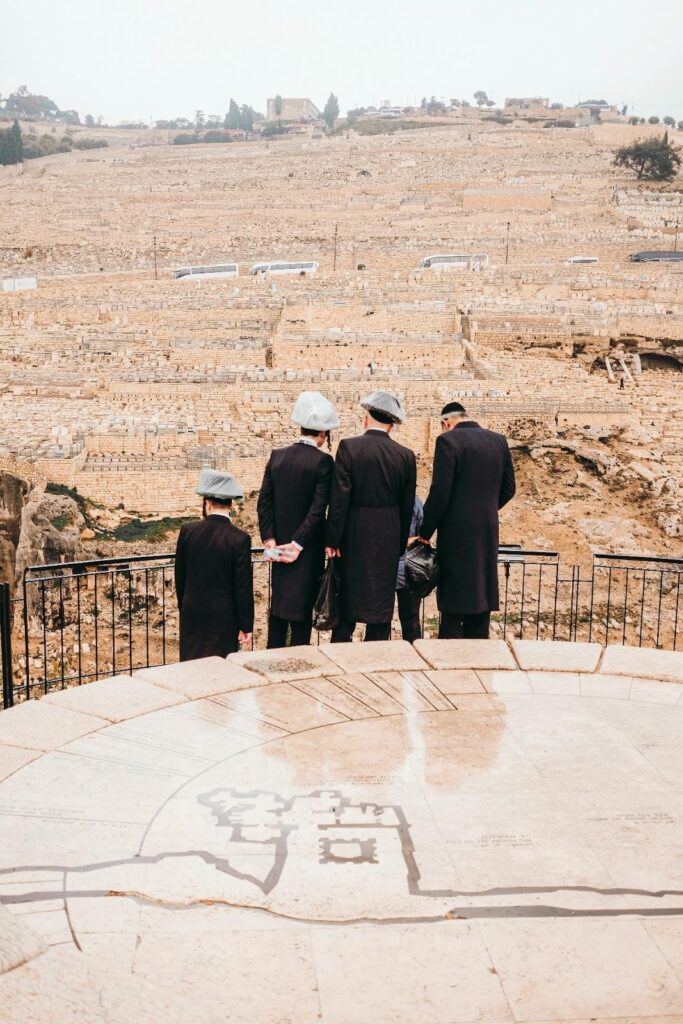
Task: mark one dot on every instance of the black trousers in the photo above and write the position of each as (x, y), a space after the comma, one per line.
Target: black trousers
(409, 614)
(343, 633)
(277, 633)
(464, 627)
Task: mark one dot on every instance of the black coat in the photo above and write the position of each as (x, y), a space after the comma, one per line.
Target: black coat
(473, 477)
(214, 584)
(292, 504)
(371, 506)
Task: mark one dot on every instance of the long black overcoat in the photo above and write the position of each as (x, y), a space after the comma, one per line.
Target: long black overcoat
(371, 505)
(473, 477)
(291, 507)
(214, 584)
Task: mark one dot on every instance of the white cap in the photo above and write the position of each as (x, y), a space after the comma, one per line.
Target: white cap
(314, 412)
(214, 484)
(386, 404)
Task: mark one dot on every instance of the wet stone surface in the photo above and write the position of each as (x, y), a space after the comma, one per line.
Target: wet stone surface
(469, 844)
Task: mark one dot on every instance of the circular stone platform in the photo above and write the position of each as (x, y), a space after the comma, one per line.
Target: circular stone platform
(460, 831)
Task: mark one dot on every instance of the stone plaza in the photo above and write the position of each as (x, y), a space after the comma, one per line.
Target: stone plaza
(456, 832)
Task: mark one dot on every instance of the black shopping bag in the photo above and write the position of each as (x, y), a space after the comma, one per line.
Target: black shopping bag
(326, 610)
(422, 569)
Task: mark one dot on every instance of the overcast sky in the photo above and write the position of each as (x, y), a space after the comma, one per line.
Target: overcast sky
(138, 59)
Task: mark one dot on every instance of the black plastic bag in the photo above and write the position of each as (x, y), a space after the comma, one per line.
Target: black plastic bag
(326, 610)
(422, 569)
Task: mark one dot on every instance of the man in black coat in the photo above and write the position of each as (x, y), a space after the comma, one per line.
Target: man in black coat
(213, 575)
(473, 477)
(371, 505)
(291, 511)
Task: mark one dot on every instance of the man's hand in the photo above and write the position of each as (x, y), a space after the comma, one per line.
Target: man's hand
(270, 543)
(422, 540)
(290, 552)
(246, 640)
(333, 552)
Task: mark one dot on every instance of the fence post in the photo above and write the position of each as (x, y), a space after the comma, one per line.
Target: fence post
(6, 646)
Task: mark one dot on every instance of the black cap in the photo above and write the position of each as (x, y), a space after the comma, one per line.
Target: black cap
(453, 407)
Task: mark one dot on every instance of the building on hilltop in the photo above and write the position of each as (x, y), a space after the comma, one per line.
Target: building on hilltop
(292, 110)
(524, 102)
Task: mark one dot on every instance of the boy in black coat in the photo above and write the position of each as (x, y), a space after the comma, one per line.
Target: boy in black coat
(291, 511)
(213, 575)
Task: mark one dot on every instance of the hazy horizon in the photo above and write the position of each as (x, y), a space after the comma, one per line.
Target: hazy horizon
(150, 59)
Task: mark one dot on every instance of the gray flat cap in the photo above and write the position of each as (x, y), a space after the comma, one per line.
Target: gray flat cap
(314, 412)
(214, 484)
(386, 404)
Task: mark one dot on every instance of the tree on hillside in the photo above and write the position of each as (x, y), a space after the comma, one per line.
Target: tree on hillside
(680, 126)
(670, 121)
(90, 121)
(481, 97)
(232, 118)
(278, 105)
(331, 111)
(198, 120)
(651, 159)
(11, 145)
(490, 103)
(22, 103)
(246, 122)
(653, 120)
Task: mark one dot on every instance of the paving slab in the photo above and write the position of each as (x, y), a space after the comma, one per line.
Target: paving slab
(116, 699)
(459, 654)
(18, 942)
(279, 666)
(505, 682)
(644, 662)
(556, 655)
(449, 681)
(40, 725)
(12, 758)
(378, 656)
(202, 678)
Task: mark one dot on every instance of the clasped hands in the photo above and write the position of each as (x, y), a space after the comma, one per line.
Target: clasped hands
(288, 552)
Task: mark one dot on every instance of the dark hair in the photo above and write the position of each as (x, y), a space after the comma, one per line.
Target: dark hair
(381, 417)
(311, 432)
(455, 407)
(223, 502)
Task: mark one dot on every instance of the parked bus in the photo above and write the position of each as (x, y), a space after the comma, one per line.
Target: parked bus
(455, 261)
(582, 259)
(656, 256)
(198, 273)
(276, 267)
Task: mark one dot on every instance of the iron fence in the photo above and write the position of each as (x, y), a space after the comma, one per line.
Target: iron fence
(80, 621)
(6, 646)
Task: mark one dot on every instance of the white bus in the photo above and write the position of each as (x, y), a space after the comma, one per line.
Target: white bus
(455, 261)
(277, 267)
(199, 273)
(582, 259)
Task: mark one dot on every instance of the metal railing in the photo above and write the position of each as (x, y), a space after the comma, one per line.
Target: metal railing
(92, 619)
(6, 646)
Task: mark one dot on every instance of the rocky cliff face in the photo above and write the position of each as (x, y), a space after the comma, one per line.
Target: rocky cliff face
(35, 527)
